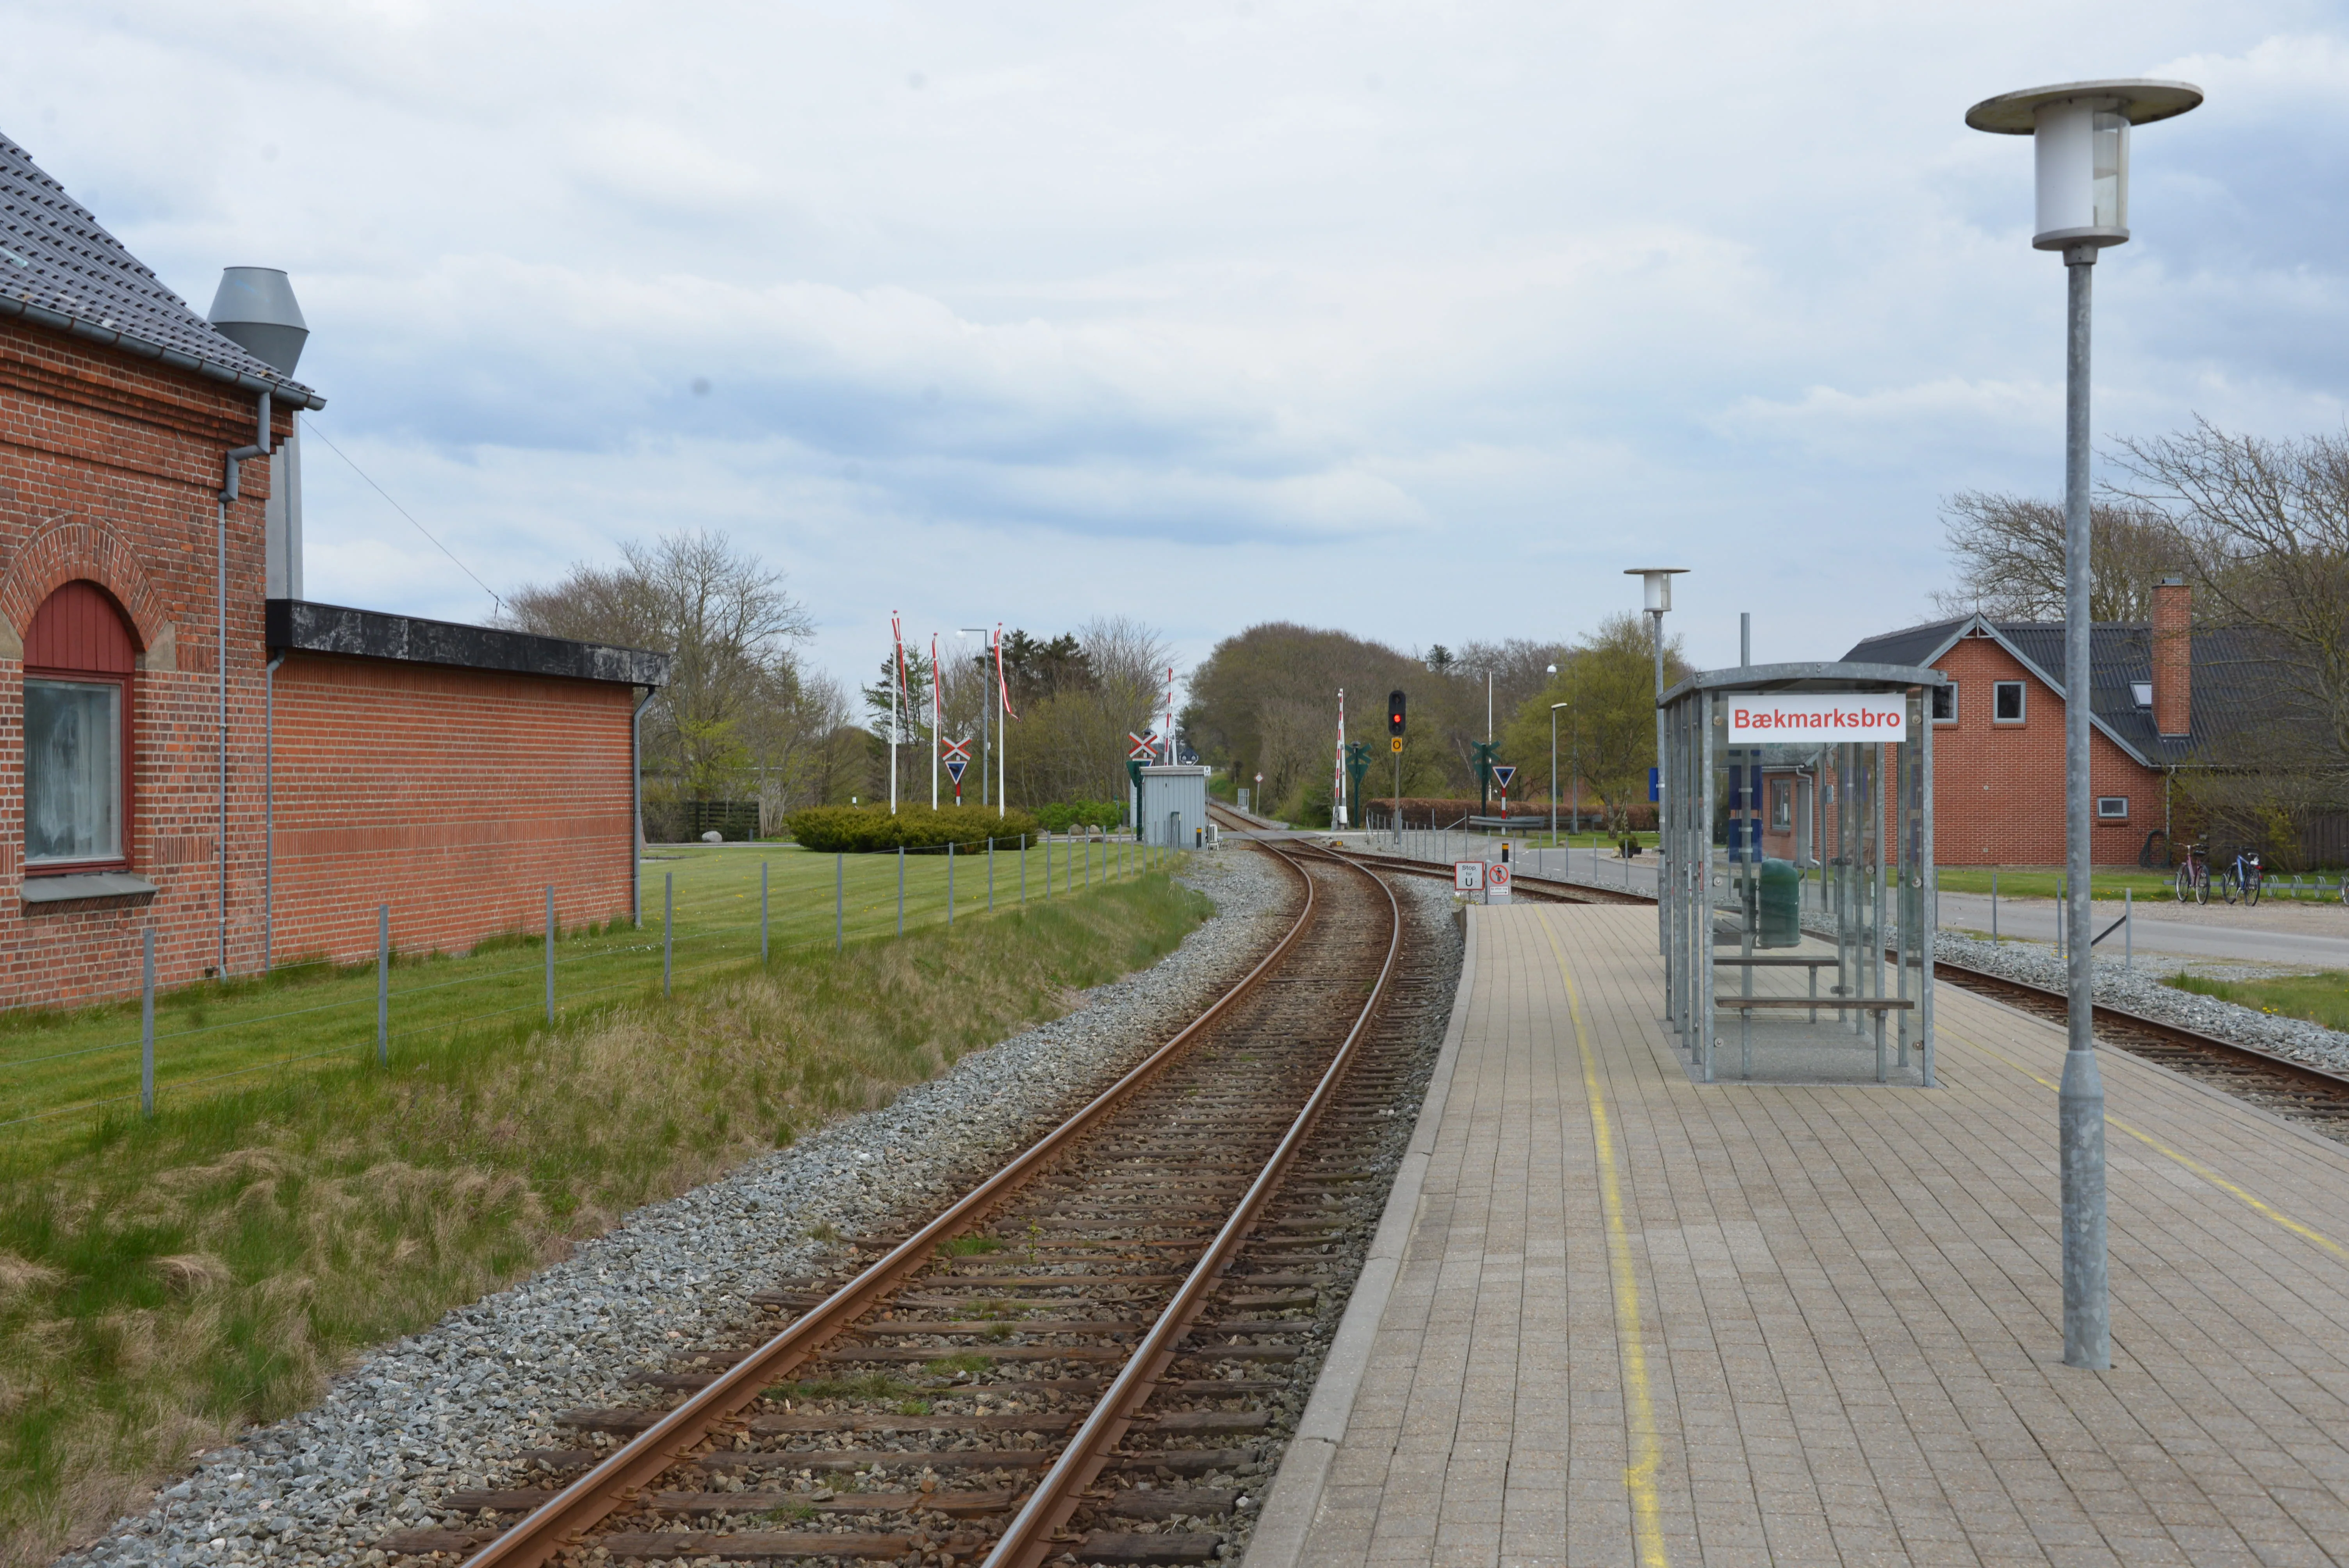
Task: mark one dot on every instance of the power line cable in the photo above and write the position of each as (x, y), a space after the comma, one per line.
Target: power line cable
(313, 423)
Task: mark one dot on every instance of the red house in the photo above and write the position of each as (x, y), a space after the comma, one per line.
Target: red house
(187, 745)
(1997, 738)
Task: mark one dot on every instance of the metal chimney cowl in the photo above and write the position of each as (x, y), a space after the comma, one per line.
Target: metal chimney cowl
(255, 309)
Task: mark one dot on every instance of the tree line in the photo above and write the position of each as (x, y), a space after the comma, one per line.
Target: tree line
(745, 718)
(1265, 704)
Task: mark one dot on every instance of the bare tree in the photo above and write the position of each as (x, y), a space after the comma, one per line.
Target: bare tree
(2268, 526)
(726, 623)
(2009, 554)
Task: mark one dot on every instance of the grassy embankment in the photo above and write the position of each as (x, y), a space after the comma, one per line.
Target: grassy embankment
(2319, 998)
(163, 1282)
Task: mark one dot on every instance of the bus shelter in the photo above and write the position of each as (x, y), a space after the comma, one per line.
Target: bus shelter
(1797, 886)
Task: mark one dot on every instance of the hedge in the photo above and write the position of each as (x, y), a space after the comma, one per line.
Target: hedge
(863, 830)
(1061, 816)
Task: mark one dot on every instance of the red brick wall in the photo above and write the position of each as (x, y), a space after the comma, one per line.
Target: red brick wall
(455, 796)
(1998, 788)
(109, 470)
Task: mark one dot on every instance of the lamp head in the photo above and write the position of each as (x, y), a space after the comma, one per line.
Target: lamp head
(2080, 134)
(1658, 582)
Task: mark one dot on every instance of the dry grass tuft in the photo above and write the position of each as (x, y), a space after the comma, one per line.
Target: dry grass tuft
(163, 1282)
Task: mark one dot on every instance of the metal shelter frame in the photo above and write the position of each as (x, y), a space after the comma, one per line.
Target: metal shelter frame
(1773, 923)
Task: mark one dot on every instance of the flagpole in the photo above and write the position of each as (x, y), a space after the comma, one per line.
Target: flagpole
(937, 731)
(896, 686)
(1003, 743)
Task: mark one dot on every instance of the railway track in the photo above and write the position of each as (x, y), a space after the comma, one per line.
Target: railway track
(2290, 1088)
(1088, 1355)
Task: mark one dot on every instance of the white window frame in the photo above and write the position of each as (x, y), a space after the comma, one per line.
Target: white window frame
(2021, 701)
(1951, 717)
(2120, 816)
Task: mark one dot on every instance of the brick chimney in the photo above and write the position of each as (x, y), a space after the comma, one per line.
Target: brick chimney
(2173, 657)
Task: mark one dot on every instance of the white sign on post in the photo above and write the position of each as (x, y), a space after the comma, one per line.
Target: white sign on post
(1762, 718)
(1496, 883)
(1468, 876)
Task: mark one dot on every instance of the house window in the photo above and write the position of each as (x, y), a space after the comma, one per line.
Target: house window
(2112, 807)
(2006, 702)
(1945, 704)
(79, 663)
(1782, 804)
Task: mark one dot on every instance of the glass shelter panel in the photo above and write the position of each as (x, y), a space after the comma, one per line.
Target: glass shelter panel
(1799, 904)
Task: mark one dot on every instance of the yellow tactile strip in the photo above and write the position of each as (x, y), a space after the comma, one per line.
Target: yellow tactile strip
(1848, 1306)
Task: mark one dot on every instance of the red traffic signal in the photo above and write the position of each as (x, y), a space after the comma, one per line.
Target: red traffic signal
(1394, 713)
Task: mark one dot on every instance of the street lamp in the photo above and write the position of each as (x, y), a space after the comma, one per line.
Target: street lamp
(1657, 582)
(2080, 132)
(1553, 763)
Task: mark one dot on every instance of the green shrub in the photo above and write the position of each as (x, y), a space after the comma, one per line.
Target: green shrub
(1061, 816)
(863, 830)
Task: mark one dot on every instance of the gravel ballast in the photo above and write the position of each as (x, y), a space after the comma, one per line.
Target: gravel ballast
(447, 1409)
(2138, 991)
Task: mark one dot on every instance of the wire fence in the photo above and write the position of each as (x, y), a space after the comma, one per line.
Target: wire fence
(711, 913)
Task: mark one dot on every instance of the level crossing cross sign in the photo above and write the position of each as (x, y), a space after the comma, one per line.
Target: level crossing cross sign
(1143, 750)
(957, 751)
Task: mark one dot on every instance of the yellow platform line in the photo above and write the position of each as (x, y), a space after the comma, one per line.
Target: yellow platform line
(2249, 1199)
(1640, 1475)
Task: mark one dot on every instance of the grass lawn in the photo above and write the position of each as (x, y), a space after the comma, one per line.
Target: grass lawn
(59, 1068)
(165, 1281)
(2039, 881)
(2319, 998)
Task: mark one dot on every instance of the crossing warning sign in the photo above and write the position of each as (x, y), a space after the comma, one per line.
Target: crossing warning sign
(1142, 748)
(1502, 773)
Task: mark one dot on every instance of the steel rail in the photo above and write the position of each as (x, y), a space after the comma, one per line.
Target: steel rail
(1032, 1536)
(612, 1483)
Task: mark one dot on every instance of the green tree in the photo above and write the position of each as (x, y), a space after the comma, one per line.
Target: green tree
(1610, 680)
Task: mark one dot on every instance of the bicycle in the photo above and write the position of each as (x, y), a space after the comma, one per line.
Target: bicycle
(2246, 877)
(2193, 878)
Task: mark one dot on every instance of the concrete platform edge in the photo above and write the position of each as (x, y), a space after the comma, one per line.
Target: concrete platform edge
(1287, 1520)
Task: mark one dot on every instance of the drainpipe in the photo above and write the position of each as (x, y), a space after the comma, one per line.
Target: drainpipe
(269, 812)
(636, 812)
(219, 612)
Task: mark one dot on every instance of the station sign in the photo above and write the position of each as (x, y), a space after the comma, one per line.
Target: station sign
(1792, 718)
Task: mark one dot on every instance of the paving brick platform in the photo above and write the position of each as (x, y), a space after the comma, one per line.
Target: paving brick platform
(1634, 1319)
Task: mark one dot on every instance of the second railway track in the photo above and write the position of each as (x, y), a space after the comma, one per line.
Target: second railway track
(1082, 1356)
(2296, 1090)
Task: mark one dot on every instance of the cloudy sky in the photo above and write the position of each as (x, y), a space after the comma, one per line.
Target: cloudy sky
(1421, 320)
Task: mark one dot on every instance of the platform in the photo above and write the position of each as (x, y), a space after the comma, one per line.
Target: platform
(1848, 1345)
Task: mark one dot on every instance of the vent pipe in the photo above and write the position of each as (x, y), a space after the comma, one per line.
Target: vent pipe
(255, 309)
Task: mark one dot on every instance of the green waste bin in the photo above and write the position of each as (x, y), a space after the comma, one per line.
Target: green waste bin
(1781, 922)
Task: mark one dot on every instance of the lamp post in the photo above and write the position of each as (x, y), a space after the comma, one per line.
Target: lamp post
(1553, 763)
(1657, 583)
(2080, 132)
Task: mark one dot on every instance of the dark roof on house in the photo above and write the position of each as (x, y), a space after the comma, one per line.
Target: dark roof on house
(60, 269)
(2232, 678)
(299, 627)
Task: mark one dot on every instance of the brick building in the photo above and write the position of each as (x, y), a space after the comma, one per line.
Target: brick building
(2156, 692)
(188, 747)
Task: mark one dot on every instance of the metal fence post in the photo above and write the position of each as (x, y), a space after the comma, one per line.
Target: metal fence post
(949, 881)
(1023, 868)
(550, 956)
(839, 897)
(2128, 928)
(901, 890)
(146, 1031)
(669, 928)
(762, 911)
(1994, 908)
(990, 876)
(383, 985)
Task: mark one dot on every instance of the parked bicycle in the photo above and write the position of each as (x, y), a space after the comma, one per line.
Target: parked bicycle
(2244, 879)
(2193, 878)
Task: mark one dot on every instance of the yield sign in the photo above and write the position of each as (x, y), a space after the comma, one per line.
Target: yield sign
(957, 752)
(1502, 774)
(955, 765)
(1143, 748)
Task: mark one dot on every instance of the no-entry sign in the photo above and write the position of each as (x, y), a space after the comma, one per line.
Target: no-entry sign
(1793, 717)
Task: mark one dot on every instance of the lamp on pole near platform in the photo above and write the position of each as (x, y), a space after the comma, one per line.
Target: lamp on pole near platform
(1553, 763)
(1657, 584)
(2080, 135)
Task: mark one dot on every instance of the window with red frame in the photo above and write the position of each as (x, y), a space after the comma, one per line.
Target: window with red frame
(78, 662)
